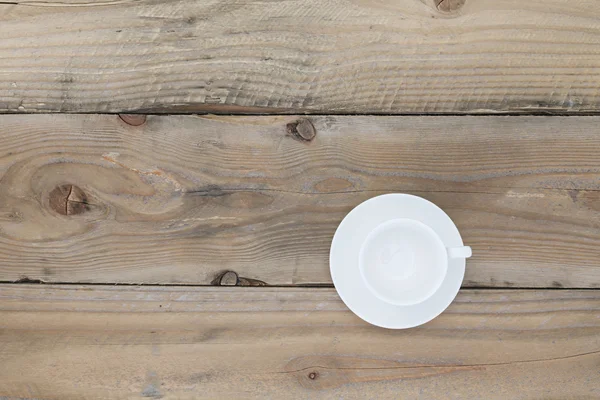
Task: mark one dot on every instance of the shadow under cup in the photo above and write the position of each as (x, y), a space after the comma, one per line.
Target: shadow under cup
(403, 262)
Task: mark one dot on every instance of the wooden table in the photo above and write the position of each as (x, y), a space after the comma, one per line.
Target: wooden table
(145, 254)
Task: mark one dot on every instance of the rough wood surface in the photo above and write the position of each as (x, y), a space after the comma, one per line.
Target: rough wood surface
(334, 56)
(184, 199)
(73, 342)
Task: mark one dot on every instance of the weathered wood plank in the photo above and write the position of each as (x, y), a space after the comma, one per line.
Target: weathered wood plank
(335, 56)
(73, 342)
(181, 199)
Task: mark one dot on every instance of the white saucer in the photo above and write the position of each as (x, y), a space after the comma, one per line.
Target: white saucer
(345, 252)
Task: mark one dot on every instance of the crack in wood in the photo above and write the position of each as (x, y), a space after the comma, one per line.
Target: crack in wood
(483, 365)
(65, 4)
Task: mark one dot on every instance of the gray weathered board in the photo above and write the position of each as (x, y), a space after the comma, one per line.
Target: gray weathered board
(181, 199)
(335, 56)
(119, 342)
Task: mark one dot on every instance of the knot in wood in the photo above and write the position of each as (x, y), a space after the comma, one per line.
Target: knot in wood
(229, 278)
(133, 119)
(68, 200)
(302, 130)
(313, 375)
(449, 6)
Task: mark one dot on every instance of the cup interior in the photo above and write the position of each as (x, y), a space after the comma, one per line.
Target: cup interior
(403, 261)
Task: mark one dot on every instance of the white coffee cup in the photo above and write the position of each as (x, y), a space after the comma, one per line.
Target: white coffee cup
(404, 262)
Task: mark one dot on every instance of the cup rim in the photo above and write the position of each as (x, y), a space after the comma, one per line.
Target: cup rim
(440, 247)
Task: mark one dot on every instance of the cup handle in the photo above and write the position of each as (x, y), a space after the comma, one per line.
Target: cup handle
(460, 252)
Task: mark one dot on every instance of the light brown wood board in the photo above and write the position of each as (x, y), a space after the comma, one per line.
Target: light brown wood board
(335, 56)
(181, 199)
(114, 342)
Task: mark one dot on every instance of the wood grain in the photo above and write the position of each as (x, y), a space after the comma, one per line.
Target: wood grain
(73, 342)
(182, 199)
(335, 56)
